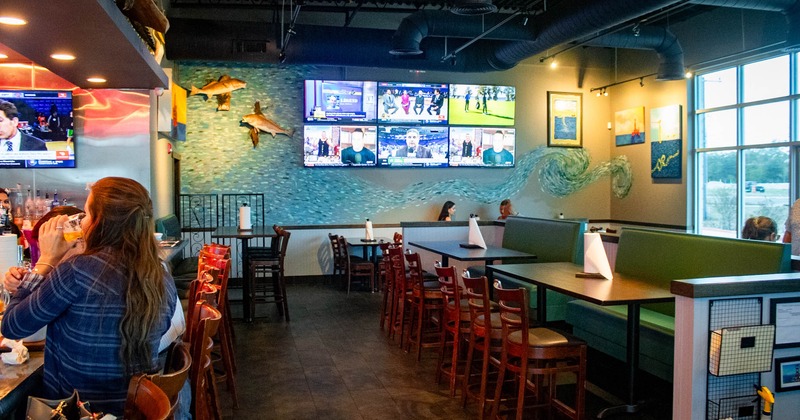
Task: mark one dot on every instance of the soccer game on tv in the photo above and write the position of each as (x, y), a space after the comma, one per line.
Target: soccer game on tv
(485, 105)
(416, 103)
(340, 101)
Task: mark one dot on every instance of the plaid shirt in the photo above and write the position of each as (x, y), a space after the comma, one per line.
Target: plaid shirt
(82, 303)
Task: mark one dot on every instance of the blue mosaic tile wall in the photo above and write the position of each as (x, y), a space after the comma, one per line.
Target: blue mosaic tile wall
(218, 157)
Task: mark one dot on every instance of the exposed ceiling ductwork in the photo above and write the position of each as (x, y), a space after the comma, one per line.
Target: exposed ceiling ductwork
(473, 7)
(789, 8)
(664, 42)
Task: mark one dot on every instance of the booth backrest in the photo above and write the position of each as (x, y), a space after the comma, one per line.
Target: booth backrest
(661, 256)
(169, 225)
(550, 240)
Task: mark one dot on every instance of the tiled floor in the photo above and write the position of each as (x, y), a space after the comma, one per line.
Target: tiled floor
(333, 362)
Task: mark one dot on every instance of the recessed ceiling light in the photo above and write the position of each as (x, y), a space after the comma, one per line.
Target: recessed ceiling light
(96, 80)
(9, 20)
(3, 55)
(63, 57)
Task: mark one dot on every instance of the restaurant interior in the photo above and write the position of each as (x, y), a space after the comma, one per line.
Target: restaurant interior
(211, 105)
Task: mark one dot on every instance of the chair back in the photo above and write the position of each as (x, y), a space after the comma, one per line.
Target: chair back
(414, 270)
(448, 282)
(201, 376)
(284, 234)
(398, 276)
(476, 291)
(176, 371)
(146, 401)
(335, 248)
(345, 252)
(218, 249)
(397, 238)
(513, 311)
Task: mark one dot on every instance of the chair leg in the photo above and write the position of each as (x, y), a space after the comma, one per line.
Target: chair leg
(284, 298)
(226, 349)
(420, 314)
(468, 369)
(498, 389)
(454, 359)
(442, 348)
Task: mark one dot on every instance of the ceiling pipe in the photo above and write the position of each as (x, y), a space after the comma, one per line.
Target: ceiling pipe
(662, 40)
(789, 8)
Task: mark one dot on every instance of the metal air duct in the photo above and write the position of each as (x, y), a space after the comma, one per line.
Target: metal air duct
(662, 40)
(789, 8)
(473, 7)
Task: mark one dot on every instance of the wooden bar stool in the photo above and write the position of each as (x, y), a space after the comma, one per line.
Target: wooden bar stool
(205, 399)
(455, 324)
(401, 296)
(145, 400)
(387, 279)
(426, 306)
(535, 357)
(485, 338)
(271, 265)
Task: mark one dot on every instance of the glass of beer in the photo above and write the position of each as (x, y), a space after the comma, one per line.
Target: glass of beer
(72, 227)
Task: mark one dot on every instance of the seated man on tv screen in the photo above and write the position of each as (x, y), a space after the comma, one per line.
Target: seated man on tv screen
(412, 147)
(497, 155)
(11, 139)
(357, 153)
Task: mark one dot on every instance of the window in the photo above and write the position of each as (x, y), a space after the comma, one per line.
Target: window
(745, 135)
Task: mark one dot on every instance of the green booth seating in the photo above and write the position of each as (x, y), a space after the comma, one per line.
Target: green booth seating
(660, 257)
(551, 241)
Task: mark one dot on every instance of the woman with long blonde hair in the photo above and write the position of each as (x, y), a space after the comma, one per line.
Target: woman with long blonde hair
(107, 308)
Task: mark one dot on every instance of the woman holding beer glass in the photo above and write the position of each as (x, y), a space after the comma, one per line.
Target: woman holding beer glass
(107, 308)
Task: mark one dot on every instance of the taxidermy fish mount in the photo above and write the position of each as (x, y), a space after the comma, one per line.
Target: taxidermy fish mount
(259, 122)
(222, 89)
(144, 14)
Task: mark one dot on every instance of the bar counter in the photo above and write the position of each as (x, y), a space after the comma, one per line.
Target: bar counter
(17, 382)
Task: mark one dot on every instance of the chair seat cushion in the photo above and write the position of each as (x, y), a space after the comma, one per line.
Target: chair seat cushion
(539, 337)
(494, 320)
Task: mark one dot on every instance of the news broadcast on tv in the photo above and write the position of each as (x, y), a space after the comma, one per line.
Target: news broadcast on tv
(412, 146)
(340, 101)
(339, 145)
(43, 134)
(485, 105)
(417, 103)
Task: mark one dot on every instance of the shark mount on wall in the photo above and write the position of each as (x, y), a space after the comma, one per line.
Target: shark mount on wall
(259, 122)
(220, 88)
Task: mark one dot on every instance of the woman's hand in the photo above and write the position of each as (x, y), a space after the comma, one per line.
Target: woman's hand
(13, 278)
(52, 244)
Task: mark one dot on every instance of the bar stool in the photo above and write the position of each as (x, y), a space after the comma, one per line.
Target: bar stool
(455, 324)
(484, 337)
(271, 265)
(205, 399)
(539, 353)
(387, 279)
(426, 306)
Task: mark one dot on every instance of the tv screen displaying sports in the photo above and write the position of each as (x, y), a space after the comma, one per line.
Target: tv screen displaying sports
(414, 103)
(485, 105)
(41, 132)
(340, 101)
(339, 145)
(412, 146)
(482, 147)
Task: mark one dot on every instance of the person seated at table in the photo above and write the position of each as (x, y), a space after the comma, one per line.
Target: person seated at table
(760, 228)
(448, 209)
(107, 308)
(506, 209)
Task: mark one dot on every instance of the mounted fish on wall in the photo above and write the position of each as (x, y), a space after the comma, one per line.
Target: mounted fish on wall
(222, 89)
(259, 122)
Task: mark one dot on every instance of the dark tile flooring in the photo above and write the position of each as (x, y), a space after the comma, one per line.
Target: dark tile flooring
(332, 361)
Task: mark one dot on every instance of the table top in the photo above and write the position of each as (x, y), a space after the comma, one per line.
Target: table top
(167, 253)
(622, 290)
(452, 249)
(234, 232)
(11, 376)
(361, 242)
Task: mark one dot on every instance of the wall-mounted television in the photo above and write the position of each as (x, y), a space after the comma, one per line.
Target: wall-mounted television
(412, 146)
(485, 105)
(339, 145)
(44, 134)
(482, 147)
(340, 101)
(413, 103)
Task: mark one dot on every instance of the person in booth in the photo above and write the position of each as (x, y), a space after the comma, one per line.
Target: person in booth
(760, 228)
(412, 147)
(107, 309)
(447, 212)
(357, 153)
(497, 155)
(506, 209)
(11, 139)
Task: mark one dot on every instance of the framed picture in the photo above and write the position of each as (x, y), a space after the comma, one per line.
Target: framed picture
(564, 119)
(665, 142)
(785, 314)
(629, 126)
(787, 373)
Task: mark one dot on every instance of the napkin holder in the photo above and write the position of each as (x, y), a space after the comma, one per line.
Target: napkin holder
(595, 260)
(245, 222)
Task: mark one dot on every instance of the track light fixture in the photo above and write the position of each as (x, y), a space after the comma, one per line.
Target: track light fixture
(603, 90)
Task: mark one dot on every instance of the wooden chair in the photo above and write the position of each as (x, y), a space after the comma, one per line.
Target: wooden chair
(455, 325)
(387, 280)
(398, 238)
(485, 337)
(205, 399)
(426, 306)
(271, 265)
(176, 371)
(356, 267)
(539, 354)
(339, 261)
(145, 400)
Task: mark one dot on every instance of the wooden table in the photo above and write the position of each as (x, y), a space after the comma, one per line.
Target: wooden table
(168, 253)
(622, 290)
(19, 381)
(244, 236)
(451, 249)
(368, 246)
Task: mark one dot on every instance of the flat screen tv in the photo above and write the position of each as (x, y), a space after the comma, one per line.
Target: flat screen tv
(412, 146)
(340, 101)
(412, 103)
(484, 105)
(339, 145)
(482, 147)
(43, 136)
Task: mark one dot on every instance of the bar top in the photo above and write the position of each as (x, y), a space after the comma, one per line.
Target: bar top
(758, 284)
